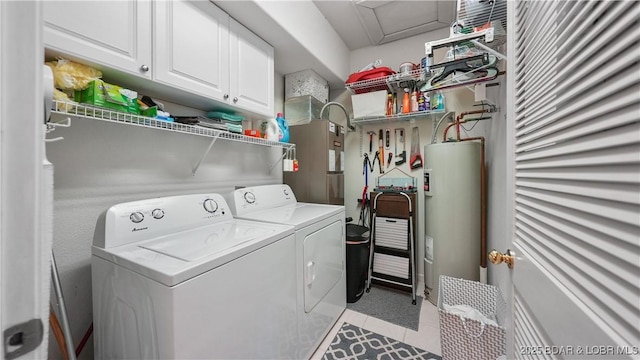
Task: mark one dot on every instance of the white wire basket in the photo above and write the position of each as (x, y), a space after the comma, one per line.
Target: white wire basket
(463, 338)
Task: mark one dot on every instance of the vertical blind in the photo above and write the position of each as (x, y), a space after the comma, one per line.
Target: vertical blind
(577, 161)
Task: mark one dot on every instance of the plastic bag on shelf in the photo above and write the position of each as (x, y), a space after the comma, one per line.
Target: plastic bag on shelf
(68, 75)
(63, 102)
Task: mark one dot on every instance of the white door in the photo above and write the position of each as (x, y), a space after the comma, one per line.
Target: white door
(25, 201)
(574, 110)
(192, 47)
(251, 70)
(116, 34)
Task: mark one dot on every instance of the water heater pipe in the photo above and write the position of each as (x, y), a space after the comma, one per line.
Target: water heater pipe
(458, 122)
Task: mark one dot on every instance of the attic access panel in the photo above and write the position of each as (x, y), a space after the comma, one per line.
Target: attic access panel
(386, 21)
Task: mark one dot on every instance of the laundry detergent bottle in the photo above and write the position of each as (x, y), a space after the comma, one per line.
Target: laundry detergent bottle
(284, 128)
(271, 130)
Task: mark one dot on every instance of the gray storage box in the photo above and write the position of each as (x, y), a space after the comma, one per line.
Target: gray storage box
(463, 338)
(306, 82)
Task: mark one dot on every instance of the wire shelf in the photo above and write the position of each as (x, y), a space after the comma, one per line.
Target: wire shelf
(390, 83)
(396, 118)
(95, 113)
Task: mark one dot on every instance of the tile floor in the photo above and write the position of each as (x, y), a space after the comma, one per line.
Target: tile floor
(427, 337)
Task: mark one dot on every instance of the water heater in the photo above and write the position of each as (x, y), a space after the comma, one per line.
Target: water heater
(452, 213)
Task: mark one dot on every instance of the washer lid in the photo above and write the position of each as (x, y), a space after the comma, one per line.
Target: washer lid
(174, 258)
(197, 245)
(299, 215)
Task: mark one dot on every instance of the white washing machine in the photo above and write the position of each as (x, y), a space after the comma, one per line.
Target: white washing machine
(180, 278)
(320, 255)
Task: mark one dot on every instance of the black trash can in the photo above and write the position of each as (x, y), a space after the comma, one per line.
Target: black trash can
(357, 260)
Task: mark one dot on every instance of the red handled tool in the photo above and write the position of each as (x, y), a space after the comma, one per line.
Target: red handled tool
(415, 162)
(403, 155)
(380, 153)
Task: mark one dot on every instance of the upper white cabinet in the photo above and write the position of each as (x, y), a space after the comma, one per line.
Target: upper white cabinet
(191, 47)
(188, 45)
(251, 70)
(116, 34)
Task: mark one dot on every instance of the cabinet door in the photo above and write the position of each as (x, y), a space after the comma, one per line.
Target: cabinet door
(251, 61)
(116, 34)
(191, 47)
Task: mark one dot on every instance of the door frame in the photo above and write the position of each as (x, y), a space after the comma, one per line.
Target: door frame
(24, 248)
(510, 134)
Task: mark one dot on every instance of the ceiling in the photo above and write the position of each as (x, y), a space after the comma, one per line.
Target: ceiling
(362, 23)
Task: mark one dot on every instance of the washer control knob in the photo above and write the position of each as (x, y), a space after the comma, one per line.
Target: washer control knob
(157, 213)
(210, 205)
(136, 217)
(249, 197)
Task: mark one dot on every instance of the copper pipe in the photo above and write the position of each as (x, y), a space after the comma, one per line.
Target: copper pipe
(458, 122)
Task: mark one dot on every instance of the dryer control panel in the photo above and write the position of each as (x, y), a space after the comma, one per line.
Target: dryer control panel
(140, 220)
(246, 200)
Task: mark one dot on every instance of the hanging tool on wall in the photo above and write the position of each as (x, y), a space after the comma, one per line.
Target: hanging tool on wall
(380, 152)
(377, 158)
(387, 139)
(371, 133)
(399, 136)
(366, 167)
(415, 162)
(387, 146)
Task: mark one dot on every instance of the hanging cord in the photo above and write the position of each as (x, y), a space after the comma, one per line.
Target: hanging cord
(477, 121)
(492, 7)
(84, 340)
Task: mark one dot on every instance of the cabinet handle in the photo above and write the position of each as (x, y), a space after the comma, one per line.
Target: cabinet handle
(235, 99)
(226, 96)
(144, 68)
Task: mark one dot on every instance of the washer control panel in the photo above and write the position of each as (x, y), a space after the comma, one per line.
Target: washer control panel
(137, 220)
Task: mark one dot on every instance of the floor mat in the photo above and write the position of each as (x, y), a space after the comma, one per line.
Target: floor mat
(355, 343)
(390, 305)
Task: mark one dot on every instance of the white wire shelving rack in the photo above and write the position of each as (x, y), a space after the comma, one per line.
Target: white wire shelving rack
(66, 110)
(396, 118)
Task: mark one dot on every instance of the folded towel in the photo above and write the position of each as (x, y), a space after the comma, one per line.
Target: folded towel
(225, 116)
(234, 128)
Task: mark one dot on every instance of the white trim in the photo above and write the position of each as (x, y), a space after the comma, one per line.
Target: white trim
(510, 170)
(26, 235)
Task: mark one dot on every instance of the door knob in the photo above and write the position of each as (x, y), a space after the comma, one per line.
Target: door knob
(226, 96)
(144, 68)
(235, 99)
(497, 257)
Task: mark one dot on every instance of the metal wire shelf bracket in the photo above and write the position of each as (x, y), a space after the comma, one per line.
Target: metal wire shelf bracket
(284, 153)
(89, 112)
(488, 49)
(195, 168)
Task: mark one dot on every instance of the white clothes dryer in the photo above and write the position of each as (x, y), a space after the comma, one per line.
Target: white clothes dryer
(180, 278)
(320, 254)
